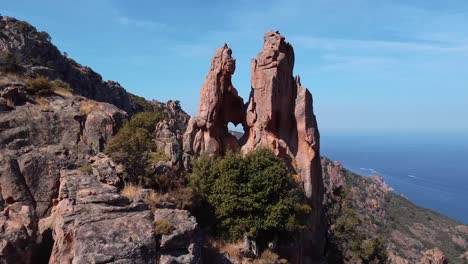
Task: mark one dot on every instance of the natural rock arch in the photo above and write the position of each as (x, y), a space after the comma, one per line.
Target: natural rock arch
(279, 116)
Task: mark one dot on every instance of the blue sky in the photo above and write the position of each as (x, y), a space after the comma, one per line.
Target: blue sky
(393, 66)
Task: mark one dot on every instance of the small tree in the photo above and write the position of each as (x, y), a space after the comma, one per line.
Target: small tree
(252, 196)
(39, 85)
(132, 146)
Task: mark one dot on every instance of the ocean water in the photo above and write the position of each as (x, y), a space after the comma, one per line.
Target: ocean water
(431, 170)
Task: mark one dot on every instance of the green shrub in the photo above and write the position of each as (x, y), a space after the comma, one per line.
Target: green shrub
(42, 85)
(142, 102)
(163, 227)
(39, 85)
(132, 146)
(253, 195)
(86, 168)
(156, 156)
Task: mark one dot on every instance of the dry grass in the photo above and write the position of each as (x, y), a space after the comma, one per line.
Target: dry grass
(163, 227)
(269, 257)
(233, 249)
(152, 199)
(43, 103)
(215, 248)
(131, 191)
(87, 106)
(63, 92)
(11, 78)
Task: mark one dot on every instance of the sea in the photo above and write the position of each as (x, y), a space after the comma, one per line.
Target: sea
(431, 170)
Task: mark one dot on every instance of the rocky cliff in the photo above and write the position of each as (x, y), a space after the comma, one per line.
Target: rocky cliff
(60, 198)
(278, 116)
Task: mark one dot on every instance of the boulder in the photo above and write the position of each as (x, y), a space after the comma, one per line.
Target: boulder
(433, 256)
(93, 223)
(182, 244)
(18, 220)
(106, 170)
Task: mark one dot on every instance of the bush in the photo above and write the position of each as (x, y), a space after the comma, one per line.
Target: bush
(253, 195)
(163, 227)
(39, 85)
(140, 101)
(86, 168)
(132, 146)
(42, 85)
(131, 191)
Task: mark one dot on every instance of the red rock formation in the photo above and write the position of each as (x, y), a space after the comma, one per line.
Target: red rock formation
(219, 105)
(279, 116)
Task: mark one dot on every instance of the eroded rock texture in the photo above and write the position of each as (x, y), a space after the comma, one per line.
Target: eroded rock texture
(183, 244)
(278, 116)
(92, 223)
(219, 104)
(38, 137)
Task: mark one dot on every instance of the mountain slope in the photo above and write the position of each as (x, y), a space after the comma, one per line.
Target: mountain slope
(35, 54)
(406, 230)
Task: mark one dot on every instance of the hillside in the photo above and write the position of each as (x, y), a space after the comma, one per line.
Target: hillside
(406, 230)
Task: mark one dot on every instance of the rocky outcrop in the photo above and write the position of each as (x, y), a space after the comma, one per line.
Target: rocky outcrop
(183, 243)
(47, 133)
(39, 135)
(433, 256)
(106, 170)
(219, 104)
(278, 116)
(93, 223)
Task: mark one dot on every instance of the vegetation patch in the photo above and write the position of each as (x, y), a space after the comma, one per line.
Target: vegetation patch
(163, 227)
(87, 106)
(133, 147)
(41, 85)
(142, 102)
(131, 191)
(86, 168)
(252, 195)
(348, 238)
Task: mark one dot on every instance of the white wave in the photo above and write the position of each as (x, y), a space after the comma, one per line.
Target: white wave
(369, 170)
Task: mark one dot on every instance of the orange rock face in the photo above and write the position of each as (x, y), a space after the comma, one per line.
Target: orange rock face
(219, 105)
(279, 116)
